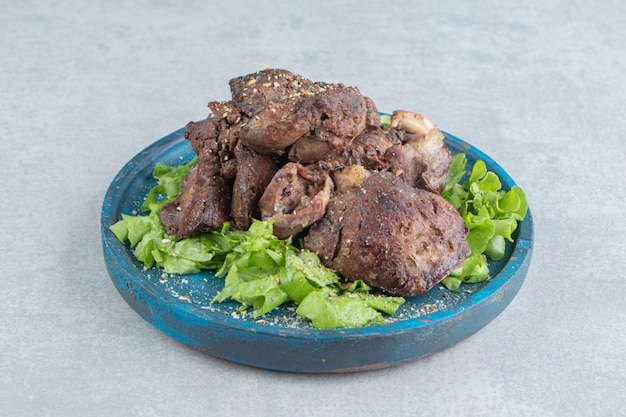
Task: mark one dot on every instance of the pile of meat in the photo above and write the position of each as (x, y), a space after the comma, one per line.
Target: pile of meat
(314, 158)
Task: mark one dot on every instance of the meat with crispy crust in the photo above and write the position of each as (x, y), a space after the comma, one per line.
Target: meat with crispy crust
(392, 236)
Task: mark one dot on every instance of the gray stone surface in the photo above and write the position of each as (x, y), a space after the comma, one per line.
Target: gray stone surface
(540, 86)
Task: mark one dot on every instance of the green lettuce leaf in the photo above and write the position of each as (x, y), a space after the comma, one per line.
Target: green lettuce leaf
(146, 235)
(325, 310)
(169, 179)
(490, 214)
(262, 272)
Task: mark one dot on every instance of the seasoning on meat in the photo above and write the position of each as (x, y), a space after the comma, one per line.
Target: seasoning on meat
(314, 158)
(402, 239)
(254, 173)
(295, 198)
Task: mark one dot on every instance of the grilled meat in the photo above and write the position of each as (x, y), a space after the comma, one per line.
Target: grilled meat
(391, 235)
(423, 158)
(203, 203)
(254, 173)
(295, 198)
(314, 158)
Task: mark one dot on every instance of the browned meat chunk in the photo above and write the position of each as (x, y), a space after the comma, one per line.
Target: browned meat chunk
(226, 110)
(344, 123)
(338, 115)
(272, 99)
(198, 133)
(423, 159)
(251, 93)
(275, 127)
(205, 197)
(202, 206)
(368, 149)
(308, 149)
(284, 107)
(373, 115)
(392, 236)
(295, 198)
(254, 173)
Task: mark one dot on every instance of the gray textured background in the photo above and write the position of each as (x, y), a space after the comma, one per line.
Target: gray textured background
(539, 86)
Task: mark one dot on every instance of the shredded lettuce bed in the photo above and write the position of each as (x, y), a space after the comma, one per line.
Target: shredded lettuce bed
(262, 272)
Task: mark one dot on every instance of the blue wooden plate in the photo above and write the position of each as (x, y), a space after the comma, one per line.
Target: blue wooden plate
(180, 305)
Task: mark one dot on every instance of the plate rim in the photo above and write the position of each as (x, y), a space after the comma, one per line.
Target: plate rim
(519, 260)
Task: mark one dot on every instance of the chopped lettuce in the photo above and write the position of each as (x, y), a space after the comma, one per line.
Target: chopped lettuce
(169, 179)
(260, 271)
(264, 272)
(327, 310)
(148, 239)
(490, 213)
(385, 120)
